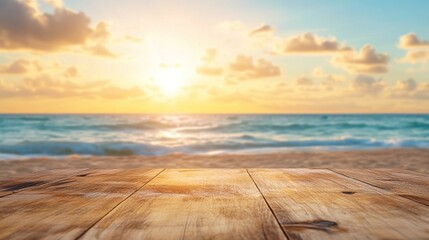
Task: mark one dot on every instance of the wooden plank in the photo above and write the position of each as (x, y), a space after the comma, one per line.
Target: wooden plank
(14, 185)
(411, 185)
(192, 204)
(321, 204)
(66, 209)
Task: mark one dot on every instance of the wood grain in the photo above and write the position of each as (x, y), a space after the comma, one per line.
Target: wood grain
(192, 204)
(65, 209)
(411, 185)
(216, 204)
(321, 204)
(18, 184)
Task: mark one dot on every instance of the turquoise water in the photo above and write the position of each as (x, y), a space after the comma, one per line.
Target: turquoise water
(62, 135)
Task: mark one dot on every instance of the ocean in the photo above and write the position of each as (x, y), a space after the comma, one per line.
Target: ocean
(23, 136)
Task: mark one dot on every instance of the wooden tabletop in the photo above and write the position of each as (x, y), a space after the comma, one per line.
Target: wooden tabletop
(216, 204)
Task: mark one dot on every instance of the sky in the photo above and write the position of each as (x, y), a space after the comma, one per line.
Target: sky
(189, 56)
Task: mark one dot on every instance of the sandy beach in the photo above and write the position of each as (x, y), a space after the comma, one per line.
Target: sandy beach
(412, 159)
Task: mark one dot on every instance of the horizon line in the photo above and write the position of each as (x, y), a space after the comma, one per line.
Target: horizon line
(172, 113)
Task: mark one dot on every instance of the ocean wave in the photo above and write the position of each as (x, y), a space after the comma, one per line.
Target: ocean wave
(25, 118)
(225, 127)
(82, 148)
(252, 127)
(419, 125)
(247, 137)
(132, 148)
(126, 135)
(142, 125)
(278, 128)
(235, 126)
(231, 146)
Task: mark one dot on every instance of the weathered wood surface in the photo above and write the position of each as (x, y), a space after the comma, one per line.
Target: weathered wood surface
(321, 204)
(66, 209)
(15, 185)
(411, 185)
(216, 204)
(192, 204)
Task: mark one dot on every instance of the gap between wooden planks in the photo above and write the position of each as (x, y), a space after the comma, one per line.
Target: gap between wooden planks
(321, 204)
(216, 203)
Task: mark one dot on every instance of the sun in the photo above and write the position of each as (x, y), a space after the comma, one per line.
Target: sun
(170, 78)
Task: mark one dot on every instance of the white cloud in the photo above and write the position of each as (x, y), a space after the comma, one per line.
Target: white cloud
(310, 43)
(367, 85)
(24, 26)
(367, 60)
(250, 69)
(411, 40)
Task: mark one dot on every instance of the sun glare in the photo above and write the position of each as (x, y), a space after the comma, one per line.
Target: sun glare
(174, 61)
(170, 79)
